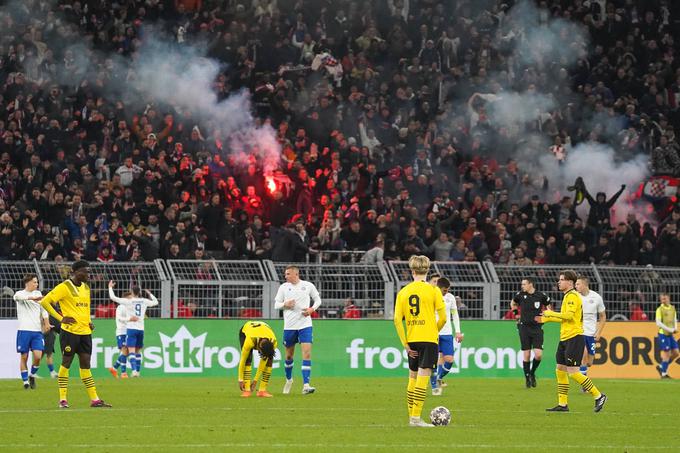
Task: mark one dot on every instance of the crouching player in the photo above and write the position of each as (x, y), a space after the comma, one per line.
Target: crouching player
(259, 336)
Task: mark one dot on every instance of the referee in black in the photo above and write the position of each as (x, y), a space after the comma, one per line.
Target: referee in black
(530, 304)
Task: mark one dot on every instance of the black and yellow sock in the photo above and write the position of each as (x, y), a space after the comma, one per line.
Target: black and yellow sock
(419, 395)
(587, 384)
(265, 378)
(247, 376)
(409, 393)
(562, 387)
(62, 380)
(86, 376)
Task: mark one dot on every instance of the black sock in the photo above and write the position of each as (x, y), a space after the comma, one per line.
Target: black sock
(535, 365)
(526, 366)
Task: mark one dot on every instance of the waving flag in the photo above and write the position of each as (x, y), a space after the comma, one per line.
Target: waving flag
(658, 187)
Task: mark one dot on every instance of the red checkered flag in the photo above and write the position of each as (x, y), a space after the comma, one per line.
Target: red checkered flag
(658, 187)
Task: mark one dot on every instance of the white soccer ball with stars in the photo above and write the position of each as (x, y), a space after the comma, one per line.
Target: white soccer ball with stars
(440, 416)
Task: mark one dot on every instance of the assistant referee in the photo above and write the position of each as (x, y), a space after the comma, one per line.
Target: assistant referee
(530, 304)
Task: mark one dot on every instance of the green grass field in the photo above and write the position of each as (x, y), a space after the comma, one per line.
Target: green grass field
(171, 414)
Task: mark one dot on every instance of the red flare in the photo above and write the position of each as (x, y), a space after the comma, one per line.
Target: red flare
(271, 184)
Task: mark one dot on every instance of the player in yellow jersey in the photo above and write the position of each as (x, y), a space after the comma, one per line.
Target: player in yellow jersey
(73, 296)
(667, 322)
(572, 343)
(417, 304)
(259, 336)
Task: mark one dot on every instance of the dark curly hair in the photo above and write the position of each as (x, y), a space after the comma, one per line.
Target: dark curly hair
(266, 349)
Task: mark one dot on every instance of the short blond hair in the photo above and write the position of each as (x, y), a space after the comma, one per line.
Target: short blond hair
(419, 264)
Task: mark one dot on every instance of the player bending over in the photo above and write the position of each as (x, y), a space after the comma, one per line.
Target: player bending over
(258, 336)
(136, 306)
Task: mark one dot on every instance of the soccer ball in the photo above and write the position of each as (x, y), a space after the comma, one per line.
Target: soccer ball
(440, 416)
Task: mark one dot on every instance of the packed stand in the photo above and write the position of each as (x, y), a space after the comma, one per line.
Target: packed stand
(381, 112)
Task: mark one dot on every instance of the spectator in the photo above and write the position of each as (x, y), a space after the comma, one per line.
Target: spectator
(401, 146)
(375, 254)
(351, 311)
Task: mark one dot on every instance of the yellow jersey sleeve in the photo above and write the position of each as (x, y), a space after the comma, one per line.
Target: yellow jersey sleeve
(51, 299)
(399, 318)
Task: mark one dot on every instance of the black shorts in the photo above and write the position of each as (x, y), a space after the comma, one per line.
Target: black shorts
(428, 354)
(570, 352)
(50, 336)
(530, 337)
(75, 344)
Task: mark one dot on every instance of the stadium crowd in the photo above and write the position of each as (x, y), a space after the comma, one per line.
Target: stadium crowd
(384, 114)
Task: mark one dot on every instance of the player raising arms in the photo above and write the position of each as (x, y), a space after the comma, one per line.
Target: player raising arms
(572, 344)
(32, 323)
(294, 298)
(136, 307)
(417, 304)
(259, 336)
(122, 319)
(73, 296)
(594, 319)
(446, 347)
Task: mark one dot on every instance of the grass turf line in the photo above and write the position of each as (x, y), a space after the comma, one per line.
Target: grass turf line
(346, 414)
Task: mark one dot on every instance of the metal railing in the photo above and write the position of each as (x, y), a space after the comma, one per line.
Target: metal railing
(145, 275)
(246, 289)
(367, 287)
(471, 284)
(336, 256)
(545, 280)
(220, 289)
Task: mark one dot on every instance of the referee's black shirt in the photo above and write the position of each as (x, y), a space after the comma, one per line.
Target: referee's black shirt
(530, 305)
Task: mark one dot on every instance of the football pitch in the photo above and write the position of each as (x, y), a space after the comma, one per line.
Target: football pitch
(346, 414)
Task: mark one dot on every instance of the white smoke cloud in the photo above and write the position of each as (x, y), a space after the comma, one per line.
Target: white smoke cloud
(511, 109)
(601, 171)
(181, 76)
(538, 39)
